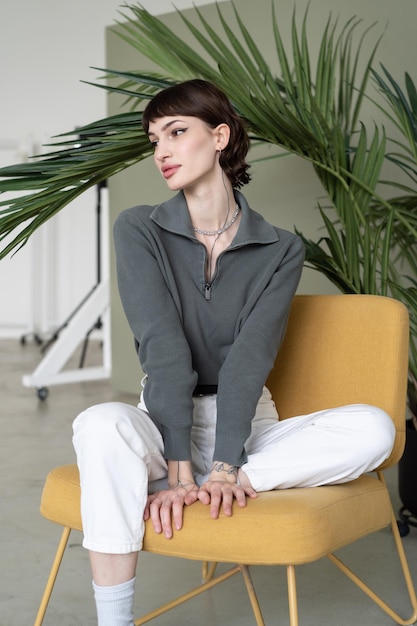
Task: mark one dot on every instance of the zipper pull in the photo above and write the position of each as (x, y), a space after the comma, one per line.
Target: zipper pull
(207, 291)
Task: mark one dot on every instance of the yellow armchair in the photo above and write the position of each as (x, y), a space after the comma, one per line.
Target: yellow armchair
(338, 349)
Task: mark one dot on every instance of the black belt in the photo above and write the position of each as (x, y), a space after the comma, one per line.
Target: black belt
(205, 390)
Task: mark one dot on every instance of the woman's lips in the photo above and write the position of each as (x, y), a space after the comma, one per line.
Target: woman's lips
(169, 170)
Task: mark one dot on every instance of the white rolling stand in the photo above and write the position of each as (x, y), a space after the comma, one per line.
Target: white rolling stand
(93, 312)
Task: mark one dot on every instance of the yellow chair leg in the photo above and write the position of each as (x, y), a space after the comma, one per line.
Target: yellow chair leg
(187, 596)
(209, 582)
(406, 572)
(252, 595)
(292, 595)
(207, 571)
(52, 576)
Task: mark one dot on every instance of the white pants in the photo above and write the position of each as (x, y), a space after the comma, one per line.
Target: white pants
(120, 455)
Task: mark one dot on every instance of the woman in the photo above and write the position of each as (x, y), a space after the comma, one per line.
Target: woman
(206, 284)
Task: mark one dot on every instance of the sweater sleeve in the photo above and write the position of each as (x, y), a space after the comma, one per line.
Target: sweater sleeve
(153, 310)
(259, 333)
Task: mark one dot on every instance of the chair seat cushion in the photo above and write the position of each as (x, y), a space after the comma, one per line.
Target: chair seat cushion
(290, 526)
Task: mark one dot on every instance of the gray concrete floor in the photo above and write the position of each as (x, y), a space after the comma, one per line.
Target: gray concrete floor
(36, 436)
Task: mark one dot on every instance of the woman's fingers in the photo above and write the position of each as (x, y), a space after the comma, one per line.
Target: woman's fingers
(221, 494)
(166, 509)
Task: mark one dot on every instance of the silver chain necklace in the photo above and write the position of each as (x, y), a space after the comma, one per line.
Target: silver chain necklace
(219, 231)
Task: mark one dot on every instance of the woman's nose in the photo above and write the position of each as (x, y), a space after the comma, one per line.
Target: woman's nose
(162, 151)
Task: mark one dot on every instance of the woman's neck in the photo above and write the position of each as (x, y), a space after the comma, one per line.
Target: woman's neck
(211, 209)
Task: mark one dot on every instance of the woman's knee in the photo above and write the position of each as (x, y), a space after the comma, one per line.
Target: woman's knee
(113, 428)
(97, 417)
(98, 425)
(379, 426)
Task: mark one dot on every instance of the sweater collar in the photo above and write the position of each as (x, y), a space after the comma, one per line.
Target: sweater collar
(174, 217)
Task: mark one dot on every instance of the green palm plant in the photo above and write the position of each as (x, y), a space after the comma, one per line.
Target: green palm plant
(310, 110)
(402, 114)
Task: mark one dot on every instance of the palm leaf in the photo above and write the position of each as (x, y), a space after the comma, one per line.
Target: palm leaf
(98, 151)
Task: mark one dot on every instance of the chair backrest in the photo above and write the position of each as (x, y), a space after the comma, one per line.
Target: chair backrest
(344, 349)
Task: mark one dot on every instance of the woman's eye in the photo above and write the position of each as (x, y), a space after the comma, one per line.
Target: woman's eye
(175, 132)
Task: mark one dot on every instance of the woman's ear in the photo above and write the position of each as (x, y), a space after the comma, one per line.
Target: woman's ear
(222, 135)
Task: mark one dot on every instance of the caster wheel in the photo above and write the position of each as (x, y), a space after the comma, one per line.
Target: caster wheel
(403, 528)
(42, 393)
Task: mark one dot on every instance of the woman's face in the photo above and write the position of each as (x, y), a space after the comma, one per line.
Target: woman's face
(186, 150)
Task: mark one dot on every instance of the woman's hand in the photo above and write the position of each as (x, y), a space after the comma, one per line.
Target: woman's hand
(221, 488)
(165, 508)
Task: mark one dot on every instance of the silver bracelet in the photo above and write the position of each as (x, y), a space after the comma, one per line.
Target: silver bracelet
(179, 483)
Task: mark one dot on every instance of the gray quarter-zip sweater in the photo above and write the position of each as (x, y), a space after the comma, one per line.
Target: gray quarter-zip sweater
(188, 332)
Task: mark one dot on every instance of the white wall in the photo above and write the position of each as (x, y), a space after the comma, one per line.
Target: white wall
(46, 48)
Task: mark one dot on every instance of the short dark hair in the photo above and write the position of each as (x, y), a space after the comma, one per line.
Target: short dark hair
(202, 99)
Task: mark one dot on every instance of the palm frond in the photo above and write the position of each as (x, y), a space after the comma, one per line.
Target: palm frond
(77, 162)
(403, 114)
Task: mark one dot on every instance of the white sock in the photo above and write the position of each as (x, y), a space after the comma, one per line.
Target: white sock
(114, 604)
